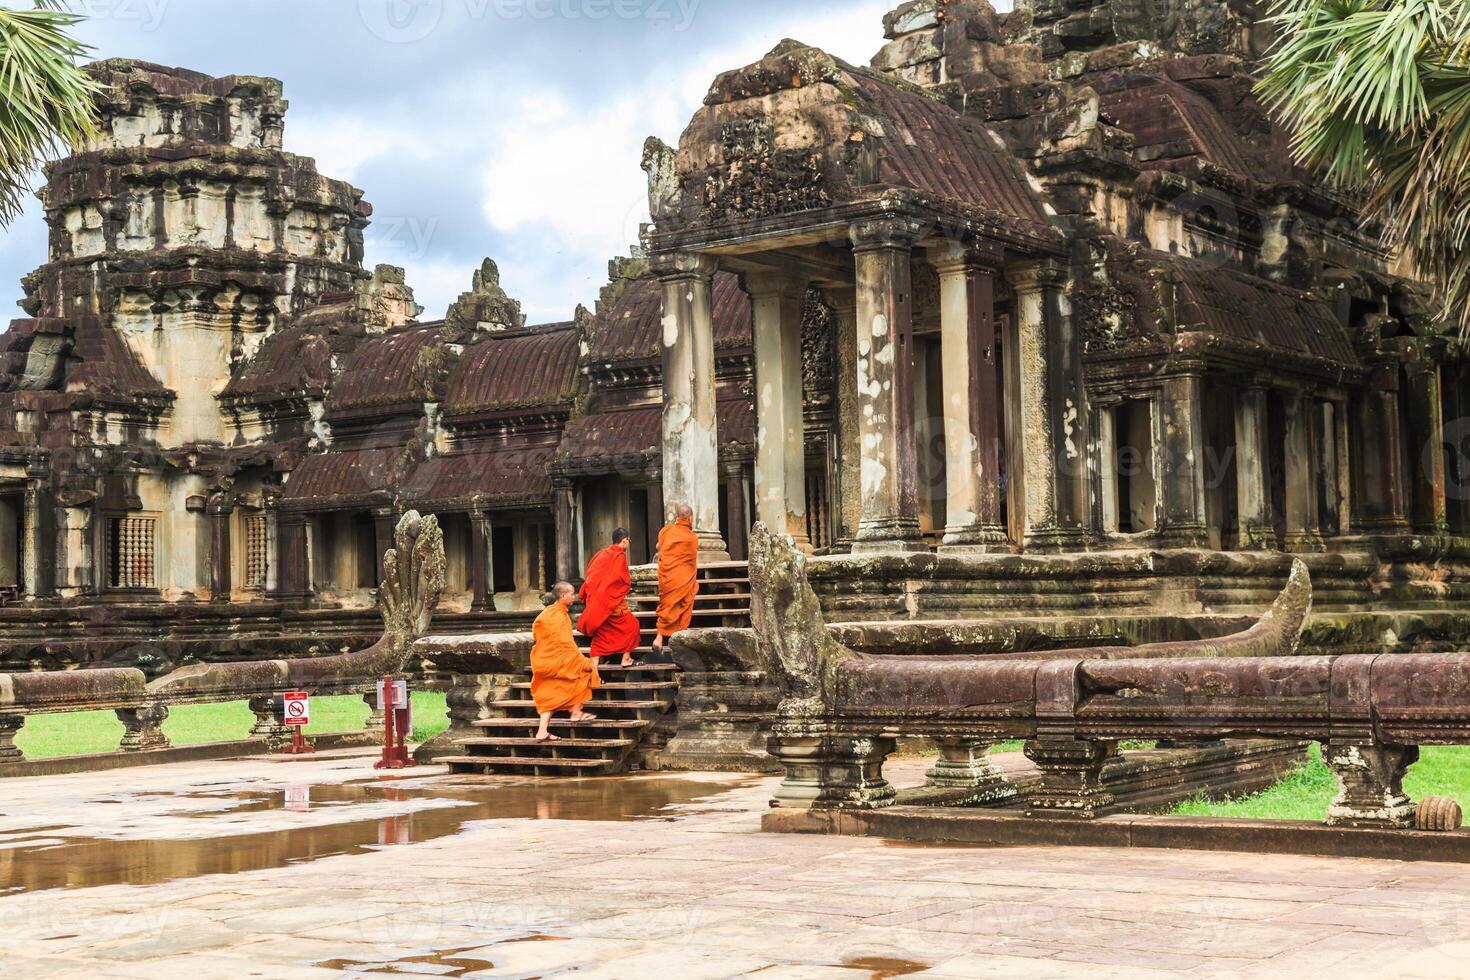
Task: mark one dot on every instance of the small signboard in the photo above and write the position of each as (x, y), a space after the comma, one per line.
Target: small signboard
(401, 704)
(297, 708)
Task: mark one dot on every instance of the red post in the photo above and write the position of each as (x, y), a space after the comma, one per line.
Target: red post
(395, 729)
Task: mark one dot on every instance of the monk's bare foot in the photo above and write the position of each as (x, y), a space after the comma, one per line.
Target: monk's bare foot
(584, 716)
(548, 737)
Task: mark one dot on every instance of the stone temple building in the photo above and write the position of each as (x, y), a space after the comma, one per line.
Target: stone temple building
(1031, 316)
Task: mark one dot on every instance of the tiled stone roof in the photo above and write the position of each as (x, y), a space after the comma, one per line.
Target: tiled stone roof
(535, 369)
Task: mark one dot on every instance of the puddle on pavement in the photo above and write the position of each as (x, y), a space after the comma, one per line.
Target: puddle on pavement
(74, 862)
(884, 967)
(440, 963)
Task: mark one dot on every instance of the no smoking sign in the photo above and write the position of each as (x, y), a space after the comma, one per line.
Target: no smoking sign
(297, 708)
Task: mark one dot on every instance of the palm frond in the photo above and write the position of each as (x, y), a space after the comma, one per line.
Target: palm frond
(46, 99)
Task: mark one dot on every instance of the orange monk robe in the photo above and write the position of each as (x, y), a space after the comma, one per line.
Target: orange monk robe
(562, 679)
(605, 615)
(678, 583)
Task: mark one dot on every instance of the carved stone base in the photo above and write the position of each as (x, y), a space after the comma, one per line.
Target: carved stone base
(374, 721)
(270, 721)
(965, 764)
(1071, 778)
(144, 728)
(976, 539)
(832, 772)
(1370, 780)
(10, 726)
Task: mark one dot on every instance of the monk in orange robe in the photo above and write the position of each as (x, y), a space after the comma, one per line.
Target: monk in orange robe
(678, 579)
(605, 614)
(562, 679)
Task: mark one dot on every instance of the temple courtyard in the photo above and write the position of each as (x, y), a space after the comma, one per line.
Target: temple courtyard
(281, 869)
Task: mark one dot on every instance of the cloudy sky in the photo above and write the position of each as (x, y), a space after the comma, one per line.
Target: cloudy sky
(507, 128)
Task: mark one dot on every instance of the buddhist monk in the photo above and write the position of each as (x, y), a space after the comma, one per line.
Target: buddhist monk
(678, 580)
(562, 679)
(605, 615)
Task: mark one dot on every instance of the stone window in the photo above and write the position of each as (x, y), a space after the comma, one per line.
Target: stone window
(818, 509)
(256, 562)
(130, 549)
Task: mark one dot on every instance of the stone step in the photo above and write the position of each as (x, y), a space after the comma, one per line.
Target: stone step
(492, 763)
(703, 596)
(743, 611)
(603, 702)
(492, 724)
(617, 668)
(562, 743)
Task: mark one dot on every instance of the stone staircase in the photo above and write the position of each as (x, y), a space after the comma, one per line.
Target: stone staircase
(631, 705)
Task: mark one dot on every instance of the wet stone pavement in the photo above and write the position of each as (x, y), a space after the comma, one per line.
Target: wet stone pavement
(262, 868)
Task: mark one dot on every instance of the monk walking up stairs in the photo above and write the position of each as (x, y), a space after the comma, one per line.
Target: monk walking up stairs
(605, 615)
(678, 576)
(562, 678)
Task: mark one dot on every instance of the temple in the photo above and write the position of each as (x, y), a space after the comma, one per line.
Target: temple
(1030, 318)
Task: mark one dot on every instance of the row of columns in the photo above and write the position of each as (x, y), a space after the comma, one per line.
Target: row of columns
(877, 456)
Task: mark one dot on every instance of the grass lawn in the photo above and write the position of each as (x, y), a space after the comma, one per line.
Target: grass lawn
(1440, 771)
(87, 732)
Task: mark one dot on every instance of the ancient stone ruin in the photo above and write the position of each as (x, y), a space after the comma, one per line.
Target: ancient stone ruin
(1028, 334)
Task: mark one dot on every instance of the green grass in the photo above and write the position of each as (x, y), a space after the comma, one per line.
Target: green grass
(90, 732)
(1440, 771)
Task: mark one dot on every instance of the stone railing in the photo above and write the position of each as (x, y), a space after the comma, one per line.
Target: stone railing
(413, 582)
(841, 711)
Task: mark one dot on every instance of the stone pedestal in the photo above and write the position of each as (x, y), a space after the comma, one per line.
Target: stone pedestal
(1370, 779)
(832, 772)
(143, 728)
(964, 763)
(690, 441)
(889, 465)
(270, 722)
(10, 726)
(1071, 778)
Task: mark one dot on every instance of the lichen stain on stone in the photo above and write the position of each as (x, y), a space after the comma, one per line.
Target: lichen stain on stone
(671, 330)
(1069, 426)
(880, 325)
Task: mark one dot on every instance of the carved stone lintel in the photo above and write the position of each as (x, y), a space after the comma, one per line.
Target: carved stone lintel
(964, 763)
(887, 231)
(270, 722)
(1071, 777)
(832, 772)
(10, 726)
(144, 728)
(1371, 784)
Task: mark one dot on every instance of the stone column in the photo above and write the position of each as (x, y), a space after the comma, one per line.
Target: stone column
(1370, 779)
(1342, 488)
(1379, 430)
(38, 538)
(292, 577)
(1455, 430)
(972, 436)
(1052, 410)
(221, 508)
(889, 459)
(1252, 455)
(735, 507)
(480, 562)
(656, 517)
(849, 504)
(965, 763)
(1301, 474)
(564, 504)
(1183, 455)
(1426, 452)
(780, 439)
(690, 439)
(143, 728)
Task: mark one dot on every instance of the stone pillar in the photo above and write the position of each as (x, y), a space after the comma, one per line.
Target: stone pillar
(1426, 453)
(889, 459)
(1181, 407)
(1342, 488)
(965, 763)
(1252, 456)
(780, 433)
(735, 507)
(221, 509)
(972, 436)
(690, 439)
(38, 539)
(849, 504)
(656, 517)
(10, 727)
(143, 728)
(270, 722)
(564, 503)
(1052, 410)
(385, 522)
(1370, 779)
(832, 772)
(480, 584)
(1301, 474)
(293, 579)
(1379, 429)
(1071, 777)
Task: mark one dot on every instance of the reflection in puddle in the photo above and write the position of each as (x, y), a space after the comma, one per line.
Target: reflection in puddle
(439, 963)
(73, 862)
(885, 967)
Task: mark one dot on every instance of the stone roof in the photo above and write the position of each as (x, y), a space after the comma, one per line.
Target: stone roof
(639, 431)
(631, 328)
(397, 372)
(336, 480)
(503, 478)
(527, 370)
